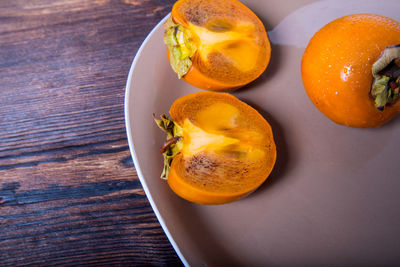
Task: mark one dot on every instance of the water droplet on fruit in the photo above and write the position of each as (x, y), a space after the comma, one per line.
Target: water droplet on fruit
(345, 73)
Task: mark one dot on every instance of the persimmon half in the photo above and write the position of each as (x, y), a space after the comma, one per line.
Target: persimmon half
(218, 148)
(350, 70)
(216, 45)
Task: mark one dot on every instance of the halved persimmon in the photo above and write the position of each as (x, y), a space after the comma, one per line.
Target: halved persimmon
(350, 70)
(216, 45)
(219, 149)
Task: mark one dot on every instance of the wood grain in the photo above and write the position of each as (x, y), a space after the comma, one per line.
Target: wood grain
(69, 193)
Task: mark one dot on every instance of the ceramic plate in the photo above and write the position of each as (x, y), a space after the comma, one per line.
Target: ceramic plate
(333, 194)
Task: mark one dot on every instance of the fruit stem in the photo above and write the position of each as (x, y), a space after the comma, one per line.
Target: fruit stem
(174, 142)
(168, 143)
(385, 88)
(181, 47)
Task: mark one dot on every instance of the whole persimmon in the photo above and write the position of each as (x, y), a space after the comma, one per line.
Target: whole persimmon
(216, 45)
(350, 70)
(218, 148)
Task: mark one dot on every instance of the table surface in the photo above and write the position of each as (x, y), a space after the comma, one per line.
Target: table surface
(69, 193)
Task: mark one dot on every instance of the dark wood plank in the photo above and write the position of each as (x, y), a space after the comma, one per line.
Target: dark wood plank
(69, 193)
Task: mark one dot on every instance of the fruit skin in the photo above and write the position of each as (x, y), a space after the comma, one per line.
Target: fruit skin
(336, 68)
(250, 172)
(214, 70)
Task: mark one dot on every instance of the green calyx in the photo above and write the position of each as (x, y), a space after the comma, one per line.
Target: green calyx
(174, 142)
(386, 72)
(180, 45)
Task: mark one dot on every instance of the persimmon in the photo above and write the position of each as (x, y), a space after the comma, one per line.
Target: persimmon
(350, 70)
(216, 45)
(218, 148)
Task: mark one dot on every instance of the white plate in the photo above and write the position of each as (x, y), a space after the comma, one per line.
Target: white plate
(326, 202)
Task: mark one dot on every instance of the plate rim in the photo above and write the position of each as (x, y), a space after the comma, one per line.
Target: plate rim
(128, 129)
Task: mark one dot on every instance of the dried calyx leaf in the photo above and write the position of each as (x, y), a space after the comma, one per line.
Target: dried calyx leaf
(180, 45)
(173, 145)
(386, 72)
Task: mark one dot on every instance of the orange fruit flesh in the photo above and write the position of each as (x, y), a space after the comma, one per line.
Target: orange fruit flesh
(228, 149)
(337, 68)
(232, 44)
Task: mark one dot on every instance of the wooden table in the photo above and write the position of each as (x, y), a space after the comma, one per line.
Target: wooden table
(69, 193)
